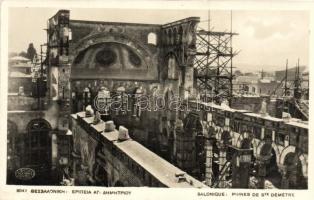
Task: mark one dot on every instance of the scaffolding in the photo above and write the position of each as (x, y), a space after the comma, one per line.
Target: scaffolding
(295, 93)
(293, 87)
(213, 64)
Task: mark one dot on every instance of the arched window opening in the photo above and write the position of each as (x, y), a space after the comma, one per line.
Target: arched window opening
(152, 38)
(172, 68)
(165, 38)
(170, 37)
(180, 35)
(38, 143)
(253, 90)
(175, 37)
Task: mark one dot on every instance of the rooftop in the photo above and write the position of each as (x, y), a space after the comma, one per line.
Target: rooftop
(19, 58)
(19, 75)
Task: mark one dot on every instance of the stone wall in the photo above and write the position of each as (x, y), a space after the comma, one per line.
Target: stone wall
(97, 149)
(16, 83)
(17, 102)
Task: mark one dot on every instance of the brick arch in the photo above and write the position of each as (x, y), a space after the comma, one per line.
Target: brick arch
(218, 132)
(245, 135)
(302, 157)
(273, 145)
(197, 125)
(119, 38)
(207, 129)
(285, 152)
(42, 123)
(167, 95)
(175, 55)
(168, 90)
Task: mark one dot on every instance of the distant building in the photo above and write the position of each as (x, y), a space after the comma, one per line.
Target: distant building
(20, 78)
(253, 84)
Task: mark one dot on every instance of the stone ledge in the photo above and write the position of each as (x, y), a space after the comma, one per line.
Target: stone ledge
(164, 173)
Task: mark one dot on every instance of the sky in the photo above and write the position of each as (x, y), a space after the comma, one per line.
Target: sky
(266, 38)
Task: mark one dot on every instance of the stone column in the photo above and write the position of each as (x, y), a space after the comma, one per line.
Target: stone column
(241, 162)
(209, 162)
(262, 133)
(222, 162)
(188, 82)
(75, 161)
(285, 178)
(83, 175)
(97, 179)
(54, 150)
(261, 173)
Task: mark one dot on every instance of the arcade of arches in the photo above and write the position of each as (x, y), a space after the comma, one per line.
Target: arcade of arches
(263, 163)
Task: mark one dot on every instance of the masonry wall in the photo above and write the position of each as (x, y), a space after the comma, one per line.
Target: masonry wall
(96, 150)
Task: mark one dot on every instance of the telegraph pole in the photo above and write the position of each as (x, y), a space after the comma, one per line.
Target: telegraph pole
(297, 94)
(39, 79)
(231, 63)
(286, 77)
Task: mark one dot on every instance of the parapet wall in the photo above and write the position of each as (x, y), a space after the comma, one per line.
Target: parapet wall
(104, 160)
